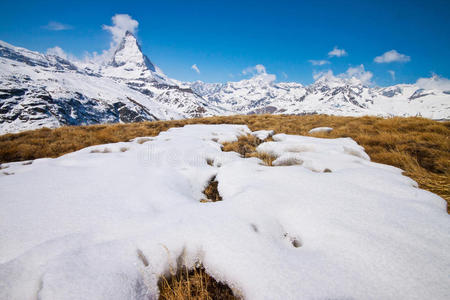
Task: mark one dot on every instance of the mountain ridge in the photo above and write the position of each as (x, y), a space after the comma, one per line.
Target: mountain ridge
(39, 90)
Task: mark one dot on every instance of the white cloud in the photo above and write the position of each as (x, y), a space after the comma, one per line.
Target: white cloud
(337, 52)
(56, 26)
(122, 23)
(318, 62)
(391, 56)
(258, 69)
(392, 73)
(324, 74)
(359, 73)
(259, 72)
(353, 73)
(284, 75)
(195, 68)
(57, 51)
(435, 82)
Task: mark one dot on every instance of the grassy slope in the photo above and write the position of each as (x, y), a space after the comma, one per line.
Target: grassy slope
(419, 146)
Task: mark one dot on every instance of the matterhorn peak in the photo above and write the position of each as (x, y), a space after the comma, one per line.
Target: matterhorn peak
(129, 33)
(128, 53)
(128, 62)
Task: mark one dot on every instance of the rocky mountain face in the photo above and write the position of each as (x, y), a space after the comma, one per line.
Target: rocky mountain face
(38, 90)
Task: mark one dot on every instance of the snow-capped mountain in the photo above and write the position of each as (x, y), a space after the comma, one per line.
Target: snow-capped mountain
(130, 63)
(327, 95)
(38, 90)
(131, 67)
(256, 95)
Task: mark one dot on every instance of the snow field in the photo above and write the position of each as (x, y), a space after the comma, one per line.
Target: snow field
(98, 224)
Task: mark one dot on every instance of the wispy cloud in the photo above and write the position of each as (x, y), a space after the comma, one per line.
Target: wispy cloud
(56, 26)
(258, 69)
(391, 56)
(323, 74)
(195, 68)
(358, 73)
(284, 75)
(318, 62)
(58, 51)
(435, 82)
(392, 73)
(122, 23)
(336, 52)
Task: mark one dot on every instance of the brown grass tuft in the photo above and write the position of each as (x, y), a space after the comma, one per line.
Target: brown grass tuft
(211, 192)
(245, 145)
(143, 140)
(265, 157)
(292, 161)
(193, 284)
(105, 150)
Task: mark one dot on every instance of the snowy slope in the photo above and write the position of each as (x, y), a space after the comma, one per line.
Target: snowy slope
(98, 224)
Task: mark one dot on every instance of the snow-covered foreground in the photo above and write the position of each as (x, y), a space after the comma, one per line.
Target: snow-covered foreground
(81, 226)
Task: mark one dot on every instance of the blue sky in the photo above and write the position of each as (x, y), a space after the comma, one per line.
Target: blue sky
(225, 37)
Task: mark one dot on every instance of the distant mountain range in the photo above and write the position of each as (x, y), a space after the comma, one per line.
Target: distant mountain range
(38, 90)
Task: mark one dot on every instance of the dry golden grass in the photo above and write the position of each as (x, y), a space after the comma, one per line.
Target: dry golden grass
(211, 192)
(193, 284)
(419, 146)
(265, 157)
(246, 147)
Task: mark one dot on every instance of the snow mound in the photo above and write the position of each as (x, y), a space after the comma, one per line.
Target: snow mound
(262, 134)
(98, 224)
(321, 129)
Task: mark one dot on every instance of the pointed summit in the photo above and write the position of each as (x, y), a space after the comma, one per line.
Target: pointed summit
(128, 62)
(129, 54)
